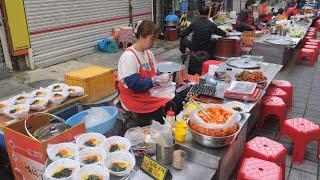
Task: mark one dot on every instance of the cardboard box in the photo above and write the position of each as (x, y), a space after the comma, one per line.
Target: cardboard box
(27, 155)
(98, 82)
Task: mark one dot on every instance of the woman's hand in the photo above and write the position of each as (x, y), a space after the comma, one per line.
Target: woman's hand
(161, 79)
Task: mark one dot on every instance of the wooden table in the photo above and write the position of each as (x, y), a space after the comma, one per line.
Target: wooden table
(5, 120)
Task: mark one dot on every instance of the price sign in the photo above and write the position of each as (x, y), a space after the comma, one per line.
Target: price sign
(153, 168)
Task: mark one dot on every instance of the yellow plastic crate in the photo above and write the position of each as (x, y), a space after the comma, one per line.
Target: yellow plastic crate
(97, 82)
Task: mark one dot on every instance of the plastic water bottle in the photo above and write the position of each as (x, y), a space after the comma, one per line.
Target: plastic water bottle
(210, 79)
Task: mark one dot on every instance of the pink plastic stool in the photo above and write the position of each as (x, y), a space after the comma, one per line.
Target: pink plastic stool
(274, 91)
(315, 40)
(256, 169)
(272, 105)
(315, 48)
(309, 53)
(206, 64)
(287, 87)
(302, 132)
(266, 149)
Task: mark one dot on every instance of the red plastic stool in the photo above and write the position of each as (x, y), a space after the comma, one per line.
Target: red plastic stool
(287, 87)
(266, 149)
(301, 131)
(315, 40)
(312, 29)
(272, 105)
(309, 53)
(255, 169)
(312, 34)
(312, 43)
(278, 92)
(315, 48)
(206, 64)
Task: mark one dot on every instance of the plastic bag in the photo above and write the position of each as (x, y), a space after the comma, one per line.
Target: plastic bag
(167, 91)
(161, 134)
(38, 103)
(96, 116)
(228, 124)
(57, 98)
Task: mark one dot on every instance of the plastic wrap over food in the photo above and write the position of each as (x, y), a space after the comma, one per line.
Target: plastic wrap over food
(214, 124)
(96, 116)
(161, 134)
(167, 91)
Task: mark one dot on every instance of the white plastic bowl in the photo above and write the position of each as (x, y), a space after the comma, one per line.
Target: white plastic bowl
(54, 149)
(45, 93)
(78, 91)
(92, 170)
(18, 115)
(5, 104)
(80, 140)
(233, 104)
(90, 151)
(24, 101)
(57, 101)
(106, 145)
(62, 87)
(120, 156)
(41, 106)
(61, 163)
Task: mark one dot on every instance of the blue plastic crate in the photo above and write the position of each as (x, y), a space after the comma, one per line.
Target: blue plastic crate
(102, 128)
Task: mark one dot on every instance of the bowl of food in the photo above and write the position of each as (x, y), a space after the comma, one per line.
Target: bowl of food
(75, 91)
(120, 163)
(62, 150)
(115, 144)
(20, 99)
(90, 140)
(57, 98)
(58, 87)
(42, 92)
(89, 156)
(237, 106)
(17, 111)
(62, 169)
(92, 172)
(5, 104)
(38, 103)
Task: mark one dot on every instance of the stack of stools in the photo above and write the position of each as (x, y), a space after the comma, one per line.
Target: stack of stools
(278, 92)
(206, 64)
(254, 169)
(273, 105)
(287, 87)
(302, 132)
(266, 149)
(125, 37)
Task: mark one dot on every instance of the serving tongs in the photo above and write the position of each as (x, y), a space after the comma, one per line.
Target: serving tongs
(201, 108)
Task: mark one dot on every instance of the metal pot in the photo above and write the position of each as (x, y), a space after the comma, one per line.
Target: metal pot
(210, 141)
(47, 131)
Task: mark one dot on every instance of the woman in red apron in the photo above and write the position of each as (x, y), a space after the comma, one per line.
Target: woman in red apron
(245, 18)
(137, 73)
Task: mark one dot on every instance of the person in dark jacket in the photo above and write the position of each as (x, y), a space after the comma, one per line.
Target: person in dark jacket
(245, 18)
(202, 30)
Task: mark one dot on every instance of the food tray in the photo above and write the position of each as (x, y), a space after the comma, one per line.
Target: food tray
(254, 97)
(198, 89)
(242, 87)
(285, 42)
(239, 63)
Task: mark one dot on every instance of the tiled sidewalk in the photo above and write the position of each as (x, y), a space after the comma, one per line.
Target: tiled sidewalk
(306, 81)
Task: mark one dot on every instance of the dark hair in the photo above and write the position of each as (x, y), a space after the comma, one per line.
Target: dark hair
(249, 3)
(263, 1)
(204, 10)
(147, 28)
(280, 11)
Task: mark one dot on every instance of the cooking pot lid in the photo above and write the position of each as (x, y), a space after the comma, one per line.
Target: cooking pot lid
(49, 130)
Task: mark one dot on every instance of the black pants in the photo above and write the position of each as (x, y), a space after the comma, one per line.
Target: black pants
(186, 43)
(146, 118)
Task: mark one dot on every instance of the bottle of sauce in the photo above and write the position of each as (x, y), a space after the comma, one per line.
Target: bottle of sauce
(171, 118)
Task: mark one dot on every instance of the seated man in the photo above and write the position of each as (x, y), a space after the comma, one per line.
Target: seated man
(202, 30)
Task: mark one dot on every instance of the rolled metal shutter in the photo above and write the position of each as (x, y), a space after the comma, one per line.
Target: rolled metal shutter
(61, 30)
(141, 10)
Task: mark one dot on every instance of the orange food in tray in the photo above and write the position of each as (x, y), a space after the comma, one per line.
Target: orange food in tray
(217, 115)
(214, 132)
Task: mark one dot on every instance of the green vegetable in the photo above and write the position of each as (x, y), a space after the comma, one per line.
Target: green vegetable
(114, 147)
(66, 172)
(89, 143)
(117, 168)
(90, 160)
(93, 177)
(236, 108)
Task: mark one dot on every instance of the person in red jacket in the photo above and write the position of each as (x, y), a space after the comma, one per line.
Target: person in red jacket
(264, 11)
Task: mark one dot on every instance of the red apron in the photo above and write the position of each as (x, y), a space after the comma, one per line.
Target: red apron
(141, 102)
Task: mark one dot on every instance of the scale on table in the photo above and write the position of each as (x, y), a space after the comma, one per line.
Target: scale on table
(245, 62)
